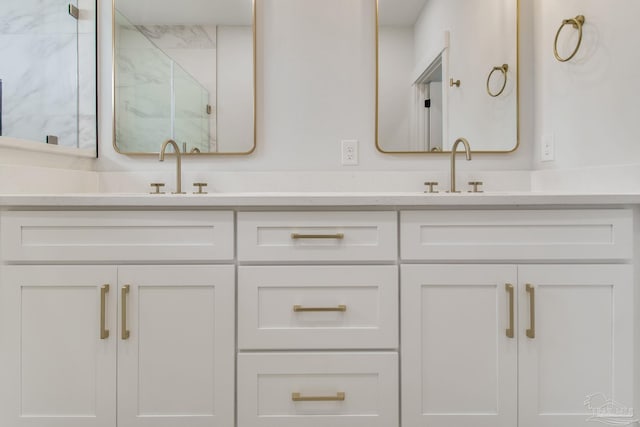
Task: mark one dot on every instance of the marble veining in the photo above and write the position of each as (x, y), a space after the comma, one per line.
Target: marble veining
(165, 79)
(179, 36)
(51, 75)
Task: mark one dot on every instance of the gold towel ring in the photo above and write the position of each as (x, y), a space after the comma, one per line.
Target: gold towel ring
(503, 70)
(577, 23)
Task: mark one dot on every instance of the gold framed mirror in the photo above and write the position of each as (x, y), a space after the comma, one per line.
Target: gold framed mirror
(184, 71)
(447, 69)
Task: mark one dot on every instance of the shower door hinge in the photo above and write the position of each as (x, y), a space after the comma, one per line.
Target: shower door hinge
(427, 103)
(74, 11)
(209, 109)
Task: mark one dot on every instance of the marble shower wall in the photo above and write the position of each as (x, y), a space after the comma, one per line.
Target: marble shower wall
(48, 71)
(165, 78)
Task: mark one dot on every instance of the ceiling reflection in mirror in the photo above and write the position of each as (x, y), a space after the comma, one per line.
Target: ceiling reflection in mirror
(447, 69)
(184, 70)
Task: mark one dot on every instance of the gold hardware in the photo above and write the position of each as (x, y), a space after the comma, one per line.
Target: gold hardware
(157, 185)
(296, 236)
(475, 185)
(74, 11)
(453, 83)
(195, 150)
(298, 397)
(300, 309)
(200, 185)
(531, 332)
(431, 185)
(176, 149)
(454, 149)
(503, 70)
(123, 296)
(104, 332)
(209, 109)
(577, 23)
(510, 331)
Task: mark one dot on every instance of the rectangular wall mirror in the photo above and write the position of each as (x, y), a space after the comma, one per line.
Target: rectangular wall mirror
(184, 70)
(48, 72)
(447, 69)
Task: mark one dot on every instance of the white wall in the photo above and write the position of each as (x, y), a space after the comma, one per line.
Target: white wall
(316, 86)
(235, 89)
(396, 94)
(589, 105)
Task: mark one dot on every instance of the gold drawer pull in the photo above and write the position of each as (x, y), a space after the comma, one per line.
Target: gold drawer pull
(124, 292)
(510, 330)
(104, 332)
(297, 397)
(296, 236)
(301, 309)
(531, 332)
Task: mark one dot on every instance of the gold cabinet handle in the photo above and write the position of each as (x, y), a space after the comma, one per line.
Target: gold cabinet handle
(298, 397)
(531, 332)
(104, 332)
(124, 292)
(510, 330)
(301, 309)
(296, 236)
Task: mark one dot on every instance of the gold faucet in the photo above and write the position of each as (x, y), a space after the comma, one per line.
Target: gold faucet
(467, 149)
(176, 149)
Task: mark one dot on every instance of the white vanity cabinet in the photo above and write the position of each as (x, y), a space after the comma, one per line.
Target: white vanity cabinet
(119, 344)
(317, 319)
(523, 343)
(57, 368)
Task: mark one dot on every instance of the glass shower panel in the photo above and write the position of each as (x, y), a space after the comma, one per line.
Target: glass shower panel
(191, 117)
(40, 82)
(143, 91)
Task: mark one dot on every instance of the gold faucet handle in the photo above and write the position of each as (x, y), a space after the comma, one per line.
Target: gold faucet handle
(200, 185)
(475, 185)
(431, 185)
(157, 185)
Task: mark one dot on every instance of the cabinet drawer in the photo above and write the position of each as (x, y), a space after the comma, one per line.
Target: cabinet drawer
(604, 234)
(317, 236)
(337, 389)
(318, 307)
(122, 236)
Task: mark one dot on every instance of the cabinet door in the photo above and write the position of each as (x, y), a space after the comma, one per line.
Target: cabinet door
(176, 366)
(459, 367)
(57, 366)
(580, 358)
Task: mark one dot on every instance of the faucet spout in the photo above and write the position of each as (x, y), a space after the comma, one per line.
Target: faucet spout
(454, 149)
(176, 149)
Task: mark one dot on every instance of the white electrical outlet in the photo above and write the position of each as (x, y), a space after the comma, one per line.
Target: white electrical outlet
(548, 148)
(349, 152)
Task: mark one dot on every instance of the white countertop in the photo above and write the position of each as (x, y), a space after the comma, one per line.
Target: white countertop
(327, 199)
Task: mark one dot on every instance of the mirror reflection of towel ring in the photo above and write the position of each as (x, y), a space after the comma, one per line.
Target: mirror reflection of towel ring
(503, 69)
(577, 23)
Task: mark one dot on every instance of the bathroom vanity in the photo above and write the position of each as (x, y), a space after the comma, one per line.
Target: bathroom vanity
(313, 310)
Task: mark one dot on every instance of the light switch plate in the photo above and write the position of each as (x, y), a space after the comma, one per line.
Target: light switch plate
(349, 152)
(548, 148)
